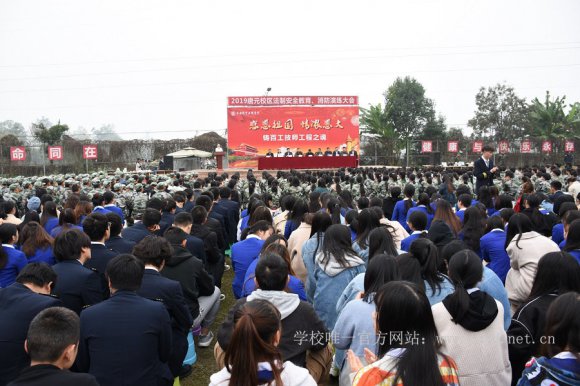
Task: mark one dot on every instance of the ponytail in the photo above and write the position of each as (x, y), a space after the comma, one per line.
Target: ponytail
(333, 207)
(256, 324)
(465, 270)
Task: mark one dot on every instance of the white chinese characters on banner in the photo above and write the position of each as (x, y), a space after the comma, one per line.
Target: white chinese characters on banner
(504, 147)
(452, 146)
(569, 146)
(55, 153)
(477, 147)
(17, 153)
(426, 146)
(546, 147)
(526, 147)
(90, 152)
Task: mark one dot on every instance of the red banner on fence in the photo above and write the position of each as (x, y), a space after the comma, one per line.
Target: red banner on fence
(503, 147)
(55, 153)
(426, 146)
(254, 131)
(546, 147)
(526, 147)
(17, 153)
(569, 146)
(477, 147)
(90, 152)
(452, 146)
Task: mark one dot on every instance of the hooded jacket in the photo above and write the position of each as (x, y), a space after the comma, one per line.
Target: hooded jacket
(327, 281)
(480, 334)
(189, 272)
(302, 330)
(562, 369)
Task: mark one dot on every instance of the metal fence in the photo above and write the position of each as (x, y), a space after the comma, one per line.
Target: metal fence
(393, 153)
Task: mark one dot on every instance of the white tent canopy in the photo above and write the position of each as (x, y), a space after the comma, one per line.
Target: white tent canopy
(190, 152)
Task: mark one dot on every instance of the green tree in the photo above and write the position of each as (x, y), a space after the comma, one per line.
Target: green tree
(375, 124)
(407, 108)
(500, 114)
(434, 128)
(548, 119)
(48, 135)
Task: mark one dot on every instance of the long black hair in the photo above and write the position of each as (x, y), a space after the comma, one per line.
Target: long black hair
(465, 271)
(367, 221)
(320, 223)
(424, 200)
(381, 241)
(573, 238)
(557, 272)
(380, 271)
(426, 253)
(298, 211)
(333, 208)
(519, 224)
(409, 192)
(473, 227)
(419, 363)
(337, 245)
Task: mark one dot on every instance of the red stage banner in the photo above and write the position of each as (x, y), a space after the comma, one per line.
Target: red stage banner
(503, 147)
(254, 131)
(569, 146)
(452, 146)
(526, 147)
(426, 146)
(55, 153)
(293, 101)
(477, 147)
(90, 152)
(17, 153)
(546, 147)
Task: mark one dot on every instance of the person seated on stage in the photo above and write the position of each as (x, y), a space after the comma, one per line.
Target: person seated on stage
(269, 154)
(336, 152)
(353, 153)
(343, 151)
(309, 153)
(319, 153)
(280, 154)
(328, 152)
(288, 153)
(299, 153)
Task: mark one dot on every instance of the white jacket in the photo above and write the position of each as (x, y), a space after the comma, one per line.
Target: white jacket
(524, 260)
(292, 375)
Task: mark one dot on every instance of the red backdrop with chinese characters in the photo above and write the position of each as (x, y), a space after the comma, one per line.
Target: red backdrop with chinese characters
(259, 124)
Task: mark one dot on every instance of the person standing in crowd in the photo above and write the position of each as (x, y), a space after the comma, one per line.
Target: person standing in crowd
(12, 261)
(257, 329)
(78, 286)
(154, 252)
(140, 326)
(52, 344)
(403, 361)
(19, 304)
(484, 168)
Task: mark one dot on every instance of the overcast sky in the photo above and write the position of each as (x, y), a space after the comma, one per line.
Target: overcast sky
(164, 69)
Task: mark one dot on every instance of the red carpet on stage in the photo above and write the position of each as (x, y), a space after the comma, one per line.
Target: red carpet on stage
(276, 163)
